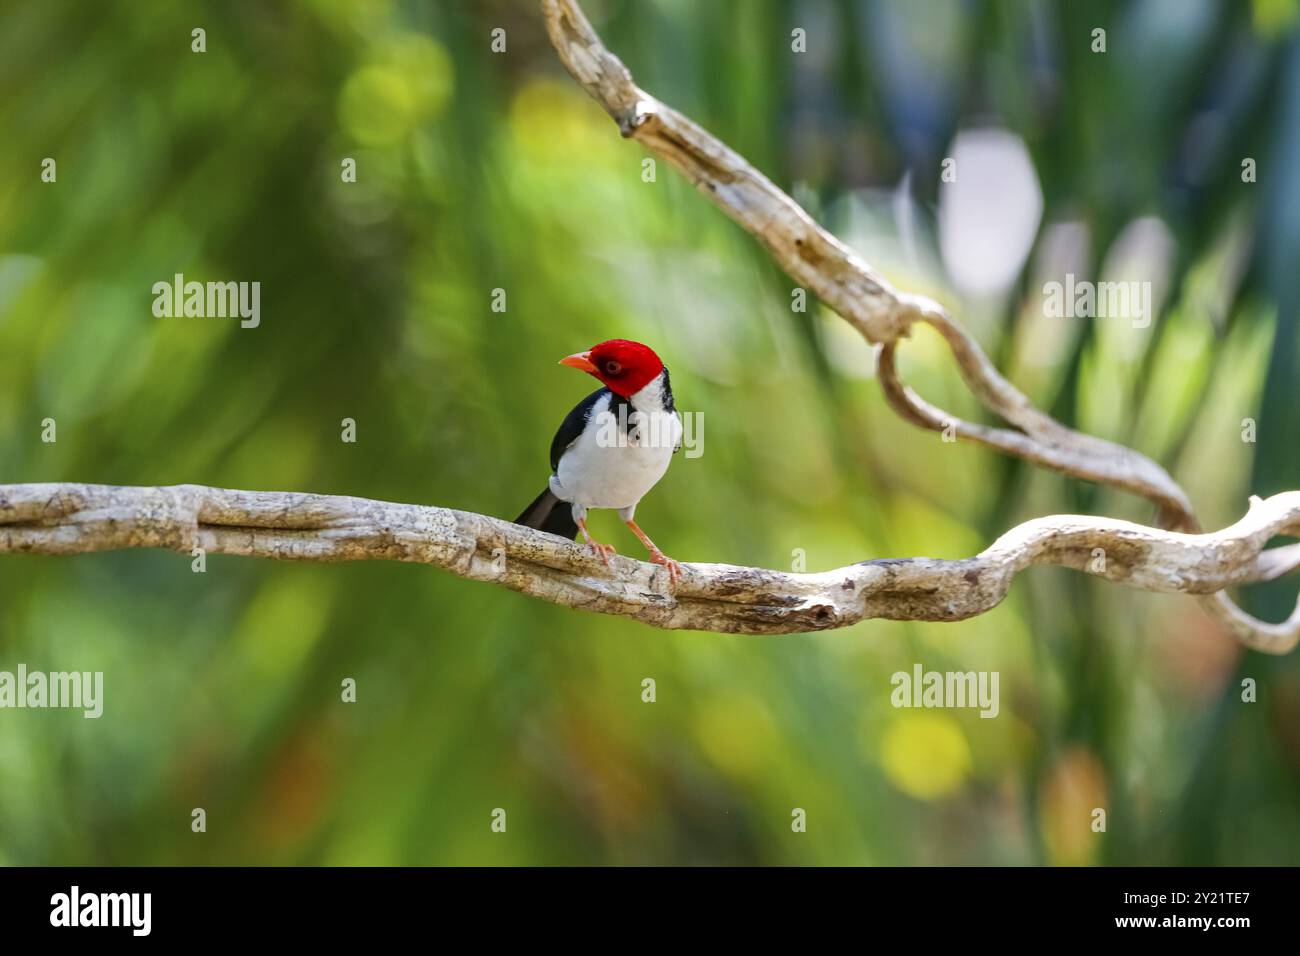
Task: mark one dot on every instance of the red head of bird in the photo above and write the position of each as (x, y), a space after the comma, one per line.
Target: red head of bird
(623, 366)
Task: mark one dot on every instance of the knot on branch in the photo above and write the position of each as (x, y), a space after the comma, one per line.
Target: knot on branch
(891, 315)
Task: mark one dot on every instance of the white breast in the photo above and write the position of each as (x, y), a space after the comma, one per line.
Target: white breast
(608, 468)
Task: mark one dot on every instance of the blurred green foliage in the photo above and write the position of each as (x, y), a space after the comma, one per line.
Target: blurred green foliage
(479, 171)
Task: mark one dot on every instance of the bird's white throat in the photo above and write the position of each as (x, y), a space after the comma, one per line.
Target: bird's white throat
(651, 397)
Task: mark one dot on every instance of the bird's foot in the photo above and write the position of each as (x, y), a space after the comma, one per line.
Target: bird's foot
(674, 569)
(602, 551)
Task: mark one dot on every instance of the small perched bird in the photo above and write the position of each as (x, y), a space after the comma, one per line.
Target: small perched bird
(612, 448)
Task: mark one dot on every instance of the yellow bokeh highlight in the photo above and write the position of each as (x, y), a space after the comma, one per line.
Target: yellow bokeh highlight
(925, 755)
(1274, 18)
(1071, 793)
(734, 732)
(409, 80)
(553, 122)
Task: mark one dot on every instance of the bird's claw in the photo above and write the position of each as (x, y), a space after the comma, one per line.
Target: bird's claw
(602, 551)
(674, 569)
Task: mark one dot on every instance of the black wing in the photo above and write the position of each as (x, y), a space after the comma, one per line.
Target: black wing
(670, 405)
(573, 424)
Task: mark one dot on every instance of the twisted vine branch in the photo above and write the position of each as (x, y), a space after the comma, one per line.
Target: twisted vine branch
(73, 519)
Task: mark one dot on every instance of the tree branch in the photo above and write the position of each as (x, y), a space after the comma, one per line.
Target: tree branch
(73, 518)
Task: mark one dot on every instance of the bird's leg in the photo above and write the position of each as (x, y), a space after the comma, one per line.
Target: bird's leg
(657, 556)
(603, 551)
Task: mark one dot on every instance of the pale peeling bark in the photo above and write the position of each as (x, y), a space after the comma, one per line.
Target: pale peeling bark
(66, 519)
(817, 260)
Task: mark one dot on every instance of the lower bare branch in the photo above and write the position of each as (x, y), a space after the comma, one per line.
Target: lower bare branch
(75, 518)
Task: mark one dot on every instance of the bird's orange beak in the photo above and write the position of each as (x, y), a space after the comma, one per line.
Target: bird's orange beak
(581, 361)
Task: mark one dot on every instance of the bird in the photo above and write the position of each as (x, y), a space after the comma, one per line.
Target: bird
(612, 448)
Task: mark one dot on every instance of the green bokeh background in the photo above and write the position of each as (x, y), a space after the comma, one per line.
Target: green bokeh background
(479, 171)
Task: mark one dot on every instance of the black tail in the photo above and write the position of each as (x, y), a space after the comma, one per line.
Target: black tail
(549, 513)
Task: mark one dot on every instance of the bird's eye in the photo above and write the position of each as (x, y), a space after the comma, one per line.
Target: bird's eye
(612, 368)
